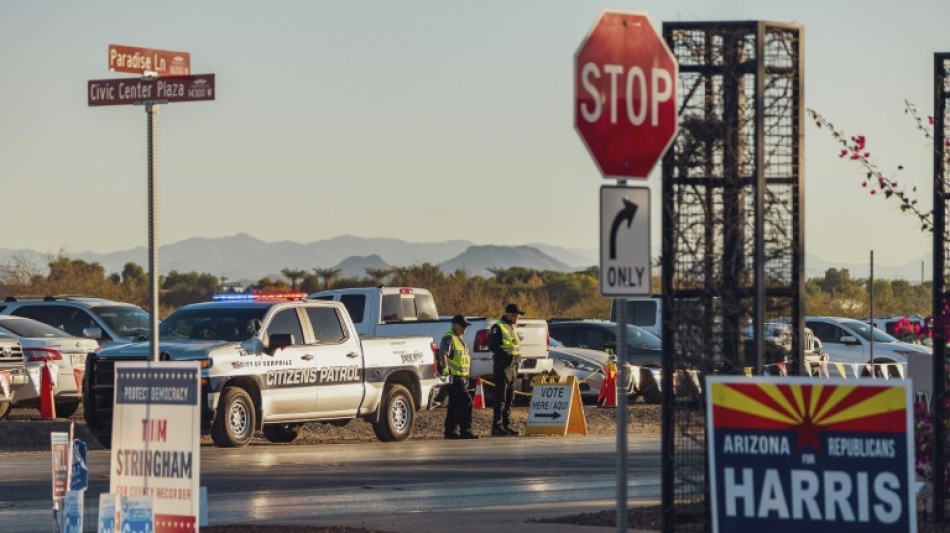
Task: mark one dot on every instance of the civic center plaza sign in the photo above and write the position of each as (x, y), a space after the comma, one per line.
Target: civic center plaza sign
(793, 453)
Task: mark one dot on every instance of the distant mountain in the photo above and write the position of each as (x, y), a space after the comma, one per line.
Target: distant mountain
(243, 257)
(478, 259)
(911, 271)
(355, 266)
(578, 258)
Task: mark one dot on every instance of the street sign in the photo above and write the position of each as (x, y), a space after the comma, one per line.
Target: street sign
(148, 61)
(624, 241)
(625, 94)
(556, 407)
(138, 91)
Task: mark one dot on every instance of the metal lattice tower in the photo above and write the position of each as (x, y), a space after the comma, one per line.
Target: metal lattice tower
(733, 234)
(941, 296)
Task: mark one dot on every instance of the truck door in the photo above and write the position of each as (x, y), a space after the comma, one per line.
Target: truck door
(291, 378)
(339, 361)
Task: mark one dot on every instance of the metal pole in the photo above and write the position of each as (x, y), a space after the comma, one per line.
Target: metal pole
(622, 377)
(152, 110)
(871, 351)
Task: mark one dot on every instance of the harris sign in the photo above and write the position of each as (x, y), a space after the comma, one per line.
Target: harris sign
(833, 454)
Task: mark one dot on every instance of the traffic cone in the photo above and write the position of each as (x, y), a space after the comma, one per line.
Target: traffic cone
(479, 402)
(47, 405)
(608, 387)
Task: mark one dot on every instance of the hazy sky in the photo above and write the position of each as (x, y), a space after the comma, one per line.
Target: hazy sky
(424, 121)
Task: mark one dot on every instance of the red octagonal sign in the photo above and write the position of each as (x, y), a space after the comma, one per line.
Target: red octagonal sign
(625, 94)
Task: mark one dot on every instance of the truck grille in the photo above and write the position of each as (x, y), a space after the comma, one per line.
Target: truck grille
(11, 357)
(99, 397)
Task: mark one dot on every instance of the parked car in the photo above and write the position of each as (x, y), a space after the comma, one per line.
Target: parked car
(42, 343)
(644, 349)
(847, 340)
(587, 366)
(106, 321)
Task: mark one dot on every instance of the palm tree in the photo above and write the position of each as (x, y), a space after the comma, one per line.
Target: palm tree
(328, 274)
(293, 274)
(378, 275)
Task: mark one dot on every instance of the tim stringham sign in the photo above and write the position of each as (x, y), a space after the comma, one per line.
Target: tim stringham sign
(155, 439)
(829, 455)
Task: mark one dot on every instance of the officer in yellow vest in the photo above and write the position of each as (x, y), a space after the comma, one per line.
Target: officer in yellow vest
(505, 353)
(455, 361)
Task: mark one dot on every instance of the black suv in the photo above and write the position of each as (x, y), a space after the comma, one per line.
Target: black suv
(107, 321)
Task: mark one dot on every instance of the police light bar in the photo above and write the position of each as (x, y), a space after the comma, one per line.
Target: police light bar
(258, 296)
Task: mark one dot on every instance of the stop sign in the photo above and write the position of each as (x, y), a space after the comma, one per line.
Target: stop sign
(625, 94)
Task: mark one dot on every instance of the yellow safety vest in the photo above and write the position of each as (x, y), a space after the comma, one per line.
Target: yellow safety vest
(459, 362)
(509, 339)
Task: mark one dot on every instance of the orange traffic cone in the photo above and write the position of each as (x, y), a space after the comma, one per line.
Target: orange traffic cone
(608, 387)
(479, 402)
(47, 405)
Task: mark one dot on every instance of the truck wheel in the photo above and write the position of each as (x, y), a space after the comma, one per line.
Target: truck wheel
(233, 424)
(66, 409)
(649, 388)
(5, 408)
(281, 433)
(398, 414)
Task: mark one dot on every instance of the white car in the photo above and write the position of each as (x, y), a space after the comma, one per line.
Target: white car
(41, 344)
(847, 340)
(587, 366)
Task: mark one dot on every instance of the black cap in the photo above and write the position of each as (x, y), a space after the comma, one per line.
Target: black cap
(460, 320)
(513, 308)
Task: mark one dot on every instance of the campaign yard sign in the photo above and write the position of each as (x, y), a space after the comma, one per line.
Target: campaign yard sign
(155, 443)
(830, 455)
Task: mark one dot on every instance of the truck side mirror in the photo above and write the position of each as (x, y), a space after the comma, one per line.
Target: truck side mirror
(92, 333)
(848, 339)
(279, 340)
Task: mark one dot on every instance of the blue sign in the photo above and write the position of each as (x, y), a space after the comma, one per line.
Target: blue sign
(72, 522)
(79, 478)
(826, 455)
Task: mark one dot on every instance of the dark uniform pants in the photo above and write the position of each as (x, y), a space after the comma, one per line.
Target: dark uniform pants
(505, 377)
(459, 412)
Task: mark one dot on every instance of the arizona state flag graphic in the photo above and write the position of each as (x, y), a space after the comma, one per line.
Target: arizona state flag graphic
(829, 455)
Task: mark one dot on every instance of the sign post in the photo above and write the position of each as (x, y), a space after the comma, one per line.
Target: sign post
(165, 79)
(625, 79)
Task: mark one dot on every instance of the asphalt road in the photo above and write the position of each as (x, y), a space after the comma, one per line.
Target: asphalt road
(299, 483)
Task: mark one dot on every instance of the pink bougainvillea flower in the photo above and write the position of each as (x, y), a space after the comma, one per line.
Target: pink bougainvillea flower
(873, 191)
(843, 153)
(865, 184)
(930, 120)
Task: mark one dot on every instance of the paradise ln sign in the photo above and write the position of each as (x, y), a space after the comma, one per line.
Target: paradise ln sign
(832, 454)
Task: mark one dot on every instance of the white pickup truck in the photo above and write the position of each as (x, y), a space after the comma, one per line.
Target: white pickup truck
(392, 311)
(274, 364)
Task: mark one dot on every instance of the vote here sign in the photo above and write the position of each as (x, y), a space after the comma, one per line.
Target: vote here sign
(829, 455)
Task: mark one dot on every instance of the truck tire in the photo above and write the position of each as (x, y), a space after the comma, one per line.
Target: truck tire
(281, 433)
(5, 408)
(66, 409)
(397, 415)
(648, 387)
(234, 421)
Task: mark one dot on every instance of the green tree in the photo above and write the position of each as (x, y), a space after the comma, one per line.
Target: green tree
(293, 275)
(327, 275)
(378, 275)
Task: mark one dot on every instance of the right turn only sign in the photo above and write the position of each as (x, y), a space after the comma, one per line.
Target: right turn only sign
(624, 241)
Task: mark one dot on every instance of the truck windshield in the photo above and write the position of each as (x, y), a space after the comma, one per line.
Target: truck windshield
(207, 323)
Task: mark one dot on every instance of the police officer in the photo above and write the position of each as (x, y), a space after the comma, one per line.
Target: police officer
(506, 352)
(455, 362)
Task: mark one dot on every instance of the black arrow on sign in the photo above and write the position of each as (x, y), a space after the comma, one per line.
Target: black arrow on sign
(629, 210)
(555, 415)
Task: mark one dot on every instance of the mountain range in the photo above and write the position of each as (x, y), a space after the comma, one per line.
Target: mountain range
(242, 257)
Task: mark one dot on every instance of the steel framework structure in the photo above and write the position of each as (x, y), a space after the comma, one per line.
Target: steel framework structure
(941, 296)
(733, 235)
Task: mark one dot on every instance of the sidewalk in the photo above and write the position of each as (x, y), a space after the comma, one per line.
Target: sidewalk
(493, 519)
